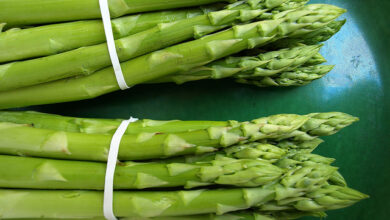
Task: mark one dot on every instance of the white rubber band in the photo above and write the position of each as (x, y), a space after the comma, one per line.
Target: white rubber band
(105, 11)
(110, 170)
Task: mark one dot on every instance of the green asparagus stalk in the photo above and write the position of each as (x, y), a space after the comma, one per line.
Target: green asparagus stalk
(301, 189)
(104, 126)
(18, 139)
(46, 40)
(315, 37)
(298, 77)
(239, 215)
(89, 204)
(38, 173)
(30, 12)
(87, 60)
(265, 64)
(181, 57)
(109, 126)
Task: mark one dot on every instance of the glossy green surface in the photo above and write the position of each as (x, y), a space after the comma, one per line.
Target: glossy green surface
(358, 85)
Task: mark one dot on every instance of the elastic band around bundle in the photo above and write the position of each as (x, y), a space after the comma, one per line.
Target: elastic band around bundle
(110, 170)
(105, 11)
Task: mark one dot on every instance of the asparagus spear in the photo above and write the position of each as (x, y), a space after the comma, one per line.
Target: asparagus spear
(109, 126)
(29, 12)
(17, 139)
(304, 186)
(87, 60)
(56, 38)
(239, 215)
(104, 126)
(298, 77)
(315, 37)
(265, 64)
(38, 173)
(177, 58)
(295, 77)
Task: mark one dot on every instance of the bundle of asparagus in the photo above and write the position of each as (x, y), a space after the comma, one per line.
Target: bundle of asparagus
(168, 46)
(262, 169)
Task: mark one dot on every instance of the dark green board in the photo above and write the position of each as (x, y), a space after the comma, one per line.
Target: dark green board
(358, 85)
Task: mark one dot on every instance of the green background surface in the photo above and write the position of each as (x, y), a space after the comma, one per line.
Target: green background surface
(358, 85)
